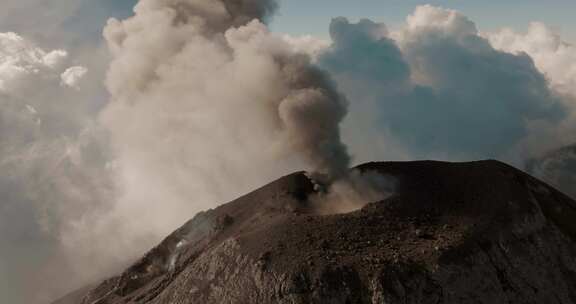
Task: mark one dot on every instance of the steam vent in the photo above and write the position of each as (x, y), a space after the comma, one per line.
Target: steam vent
(480, 232)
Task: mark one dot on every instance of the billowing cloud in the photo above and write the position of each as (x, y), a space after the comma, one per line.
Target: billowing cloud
(53, 170)
(20, 61)
(306, 44)
(556, 59)
(72, 76)
(437, 89)
(552, 55)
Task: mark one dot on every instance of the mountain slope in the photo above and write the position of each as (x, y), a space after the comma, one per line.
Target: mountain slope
(479, 232)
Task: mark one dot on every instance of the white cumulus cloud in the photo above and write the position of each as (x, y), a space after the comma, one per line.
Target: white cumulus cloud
(306, 44)
(20, 60)
(554, 56)
(72, 76)
(436, 88)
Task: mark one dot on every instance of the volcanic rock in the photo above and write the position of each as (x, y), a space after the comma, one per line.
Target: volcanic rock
(479, 232)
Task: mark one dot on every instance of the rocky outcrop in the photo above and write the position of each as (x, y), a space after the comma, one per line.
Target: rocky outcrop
(480, 232)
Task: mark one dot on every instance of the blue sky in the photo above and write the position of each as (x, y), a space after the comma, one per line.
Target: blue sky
(313, 17)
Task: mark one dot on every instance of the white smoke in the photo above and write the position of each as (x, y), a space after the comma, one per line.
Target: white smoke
(354, 191)
(206, 105)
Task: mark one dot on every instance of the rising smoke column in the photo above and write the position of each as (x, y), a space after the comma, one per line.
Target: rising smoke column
(207, 105)
(298, 100)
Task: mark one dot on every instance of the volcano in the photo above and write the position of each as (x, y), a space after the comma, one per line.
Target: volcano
(478, 232)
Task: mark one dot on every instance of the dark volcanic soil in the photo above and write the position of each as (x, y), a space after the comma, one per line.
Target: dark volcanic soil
(480, 232)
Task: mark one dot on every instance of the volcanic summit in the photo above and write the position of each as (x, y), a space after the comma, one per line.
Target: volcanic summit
(478, 232)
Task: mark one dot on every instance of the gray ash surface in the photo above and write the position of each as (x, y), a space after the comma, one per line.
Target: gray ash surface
(479, 232)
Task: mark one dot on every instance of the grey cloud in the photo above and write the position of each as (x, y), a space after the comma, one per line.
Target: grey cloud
(56, 22)
(438, 89)
(54, 169)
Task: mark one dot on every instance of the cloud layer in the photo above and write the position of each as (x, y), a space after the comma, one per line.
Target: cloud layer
(553, 56)
(52, 167)
(556, 59)
(437, 89)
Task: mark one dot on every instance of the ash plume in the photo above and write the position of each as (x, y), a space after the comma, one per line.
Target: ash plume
(291, 100)
(206, 105)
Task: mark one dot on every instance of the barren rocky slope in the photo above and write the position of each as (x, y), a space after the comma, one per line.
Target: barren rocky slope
(480, 232)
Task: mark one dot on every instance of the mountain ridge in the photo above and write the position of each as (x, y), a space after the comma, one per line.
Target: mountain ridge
(477, 232)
